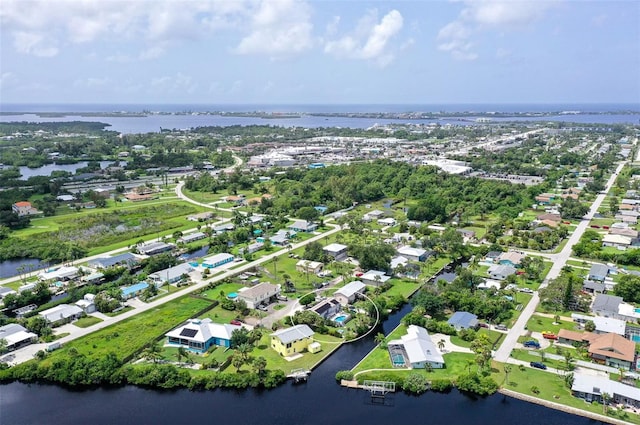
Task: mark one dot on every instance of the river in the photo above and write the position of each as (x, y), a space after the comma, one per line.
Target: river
(153, 123)
(320, 400)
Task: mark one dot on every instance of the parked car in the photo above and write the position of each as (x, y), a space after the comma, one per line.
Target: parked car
(483, 325)
(538, 365)
(262, 307)
(501, 327)
(531, 344)
(236, 322)
(549, 335)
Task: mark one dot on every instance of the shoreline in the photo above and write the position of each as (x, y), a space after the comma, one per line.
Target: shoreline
(562, 407)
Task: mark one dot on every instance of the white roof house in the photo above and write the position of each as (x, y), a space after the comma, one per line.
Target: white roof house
(171, 275)
(336, 250)
(258, 294)
(591, 387)
(199, 335)
(16, 335)
(419, 348)
(61, 273)
(398, 261)
(374, 277)
(603, 324)
(415, 254)
(61, 312)
(347, 293)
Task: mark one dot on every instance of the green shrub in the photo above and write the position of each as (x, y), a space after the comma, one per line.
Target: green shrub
(415, 383)
(347, 375)
(441, 385)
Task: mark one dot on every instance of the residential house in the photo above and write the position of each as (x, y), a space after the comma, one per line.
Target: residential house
(87, 303)
(592, 387)
(349, 292)
(222, 228)
(327, 308)
(191, 237)
(199, 335)
(24, 209)
(374, 278)
(260, 294)
(306, 266)
(16, 336)
(171, 275)
(373, 215)
(253, 247)
(598, 272)
(389, 221)
(463, 320)
(295, 339)
(155, 248)
(613, 350)
(397, 261)
(135, 290)
(281, 238)
(413, 254)
(606, 305)
(126, 259)
(593, 287)
(204, 216)
(492, 256)
(545, 198)
(63, 273)
(217, 260)
(511, 258)
(137, 197)
(235, 199)
(336, 250)
(62, 313)
(632, 233)
(303, 226)
(5, 290)
(501, 272)
(617, 241)
(603, 324)
(418, 349)
(557, 218)
(467, 235)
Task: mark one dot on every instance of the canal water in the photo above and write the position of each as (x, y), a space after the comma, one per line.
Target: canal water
(319, 401)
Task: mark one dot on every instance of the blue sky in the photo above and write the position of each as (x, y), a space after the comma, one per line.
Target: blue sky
(296, 52)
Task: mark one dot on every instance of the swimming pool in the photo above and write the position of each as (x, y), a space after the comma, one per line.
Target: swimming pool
(232, 296)
(637, 310)
(194, 264)
(340, 319)
(635, 338)
(398, 360)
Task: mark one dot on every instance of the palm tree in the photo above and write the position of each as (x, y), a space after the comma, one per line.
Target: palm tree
(507, 370)
(153, 352)
(441, 344)
(182, 352)
(259, 366)
(379, 339)
(605, 399)
(568, 359)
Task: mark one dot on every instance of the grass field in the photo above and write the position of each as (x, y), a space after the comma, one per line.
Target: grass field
(85, 322)
(543, 324)
(493, 337)
(126, 337)
(549, 387)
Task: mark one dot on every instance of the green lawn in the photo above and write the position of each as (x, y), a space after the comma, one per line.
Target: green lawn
(126, 337)
(493, 337)
(85, 322)
(455, 365)
(551, 387)
(543, 324)
(520, 299)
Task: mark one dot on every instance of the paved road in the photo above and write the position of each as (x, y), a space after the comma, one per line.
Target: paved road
(509, 343)
(26, 353)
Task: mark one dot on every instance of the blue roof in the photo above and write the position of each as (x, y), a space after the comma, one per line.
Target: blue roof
(463, 319)
(128, 290)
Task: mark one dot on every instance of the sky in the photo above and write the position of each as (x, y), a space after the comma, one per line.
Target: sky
(319, 51)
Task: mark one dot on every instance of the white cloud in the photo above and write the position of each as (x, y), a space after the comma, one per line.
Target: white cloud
(33, 43)
(278, 28)
(153, 22)
(92, 82)
(370, 40)
(179, 83)
(487, 15)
